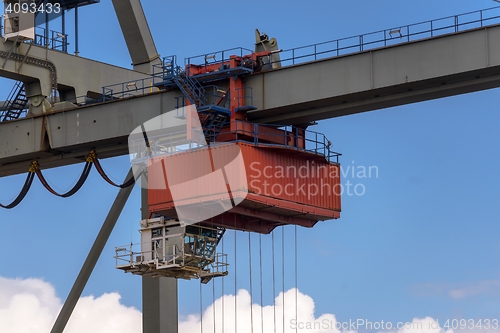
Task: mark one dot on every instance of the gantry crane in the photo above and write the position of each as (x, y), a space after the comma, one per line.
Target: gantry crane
(240, 103)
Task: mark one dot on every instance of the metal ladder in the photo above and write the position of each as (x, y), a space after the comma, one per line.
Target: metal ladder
(15, 104)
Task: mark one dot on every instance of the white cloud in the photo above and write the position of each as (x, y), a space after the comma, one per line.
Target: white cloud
(489, 288)
(476, 288)
(263, 317)
(31, 306)
(421, 325)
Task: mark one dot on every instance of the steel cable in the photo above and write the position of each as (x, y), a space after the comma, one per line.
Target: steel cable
(283, 271)
(251, 284)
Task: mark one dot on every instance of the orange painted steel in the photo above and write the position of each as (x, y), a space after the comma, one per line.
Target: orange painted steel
(281, 186)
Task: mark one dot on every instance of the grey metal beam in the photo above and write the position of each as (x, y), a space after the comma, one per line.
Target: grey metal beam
(93, 257)
(137, 34)
(84, 75)
(66, 137)
(406, 73)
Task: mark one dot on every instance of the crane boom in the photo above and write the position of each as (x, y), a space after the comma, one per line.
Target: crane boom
(137, 34)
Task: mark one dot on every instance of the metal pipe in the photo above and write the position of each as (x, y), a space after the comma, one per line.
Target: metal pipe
(63, 28)
(46, 24)
(93, 257)
(77, 52)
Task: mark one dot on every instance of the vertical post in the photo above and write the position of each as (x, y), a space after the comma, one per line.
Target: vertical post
(159, 295)
(77, 52)
(63, 28)
(46, 25)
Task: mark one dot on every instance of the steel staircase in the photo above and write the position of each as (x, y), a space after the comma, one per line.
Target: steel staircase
(17, 101)
(212, 125)
(191, 88)
(208, 250)
(15, 104)
(212, 117)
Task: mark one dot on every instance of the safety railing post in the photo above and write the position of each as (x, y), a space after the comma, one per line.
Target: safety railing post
(131, 254)
(256, 134)
(316, 141)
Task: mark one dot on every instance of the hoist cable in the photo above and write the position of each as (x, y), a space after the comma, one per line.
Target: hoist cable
(274, 283)
(201, 308)
(235, 284)
(251, 284)
(24, 191)
(213, 301)
(283, 271)
(213, 280)
(261, 287)
(296, 277)
(223, 278)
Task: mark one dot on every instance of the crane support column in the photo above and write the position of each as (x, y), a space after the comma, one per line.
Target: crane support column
(137, 35)
(159, 294)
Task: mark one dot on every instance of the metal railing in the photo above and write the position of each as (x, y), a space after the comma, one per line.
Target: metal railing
(219, 57)
(170, 255)
(172, 143)
(129, 89)
(315, 143)
(55, 40)
(219, 265)
(244, 98)
(165, 144)
(393, 36)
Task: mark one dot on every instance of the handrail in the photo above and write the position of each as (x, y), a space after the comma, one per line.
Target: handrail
(177, 142)
(217, 57)
(56, 41)
(393, 36)
(129, 89)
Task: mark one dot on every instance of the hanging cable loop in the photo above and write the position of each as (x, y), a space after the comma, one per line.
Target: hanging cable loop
(35, 170)
(100, 170)
(24, 190)
(76, 188)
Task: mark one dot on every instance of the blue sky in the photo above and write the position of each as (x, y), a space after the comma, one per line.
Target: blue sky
(423, 239)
